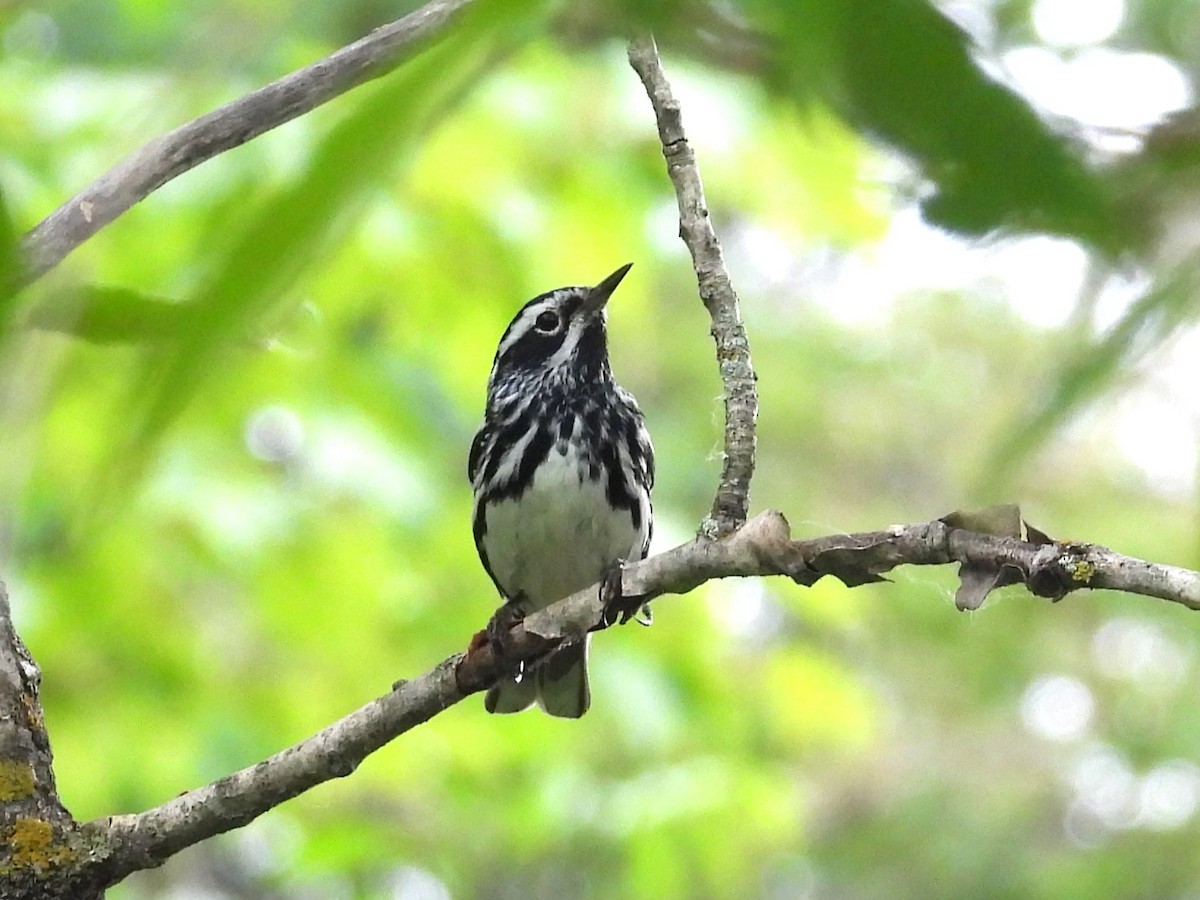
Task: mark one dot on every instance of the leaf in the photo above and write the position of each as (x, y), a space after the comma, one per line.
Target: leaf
(293, 228)
(104, 315)
(865, 563)
(855, 567)
(903, 73)
(1002, 520)
(1036, 536)
(10, 266)
(977, 580)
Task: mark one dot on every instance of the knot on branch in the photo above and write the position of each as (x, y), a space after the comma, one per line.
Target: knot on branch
(1058, 569)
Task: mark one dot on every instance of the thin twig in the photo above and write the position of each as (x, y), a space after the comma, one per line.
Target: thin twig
(153, 165)
(732, 501)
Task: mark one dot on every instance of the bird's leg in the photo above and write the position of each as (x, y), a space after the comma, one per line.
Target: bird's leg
(620, 607)
(499, 635)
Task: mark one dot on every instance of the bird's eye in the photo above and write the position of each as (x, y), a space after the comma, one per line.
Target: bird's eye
(546, 323)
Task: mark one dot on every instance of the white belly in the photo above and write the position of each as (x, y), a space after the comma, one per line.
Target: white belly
(559, 536)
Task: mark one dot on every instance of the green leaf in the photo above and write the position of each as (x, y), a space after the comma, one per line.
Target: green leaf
(294, 227)
(902, 72)
(10, 265)
(1002, 520)
(104, 315)
(977, 580)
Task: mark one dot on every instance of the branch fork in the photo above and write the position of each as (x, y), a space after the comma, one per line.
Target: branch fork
(732, 502)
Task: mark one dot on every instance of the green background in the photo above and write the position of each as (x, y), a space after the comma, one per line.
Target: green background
(234, 426)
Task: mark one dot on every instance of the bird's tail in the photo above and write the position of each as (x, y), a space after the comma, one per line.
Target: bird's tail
(511, 696)
(562, 682)
(559, 685)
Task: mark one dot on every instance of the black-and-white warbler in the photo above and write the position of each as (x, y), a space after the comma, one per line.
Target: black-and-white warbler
(562, 469)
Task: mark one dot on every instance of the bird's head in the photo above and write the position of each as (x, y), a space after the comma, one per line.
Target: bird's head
(558, 334)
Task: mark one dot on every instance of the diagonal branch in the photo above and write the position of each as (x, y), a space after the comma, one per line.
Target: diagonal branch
(732, 502)
(762, 547)
(153, 165)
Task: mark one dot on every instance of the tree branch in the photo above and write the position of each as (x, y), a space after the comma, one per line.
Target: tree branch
(38, 837)
(762, 547)
(732, 501)
(153, 165)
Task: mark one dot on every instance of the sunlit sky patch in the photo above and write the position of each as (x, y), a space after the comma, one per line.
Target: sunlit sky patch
(1099, 86)
(1040, 277)
(1160, 437)
(1069, 23)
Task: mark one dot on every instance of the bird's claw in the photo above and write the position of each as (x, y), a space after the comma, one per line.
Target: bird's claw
(499, 635)
(619, 608)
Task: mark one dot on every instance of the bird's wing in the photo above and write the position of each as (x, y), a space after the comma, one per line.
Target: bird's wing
(475, 457)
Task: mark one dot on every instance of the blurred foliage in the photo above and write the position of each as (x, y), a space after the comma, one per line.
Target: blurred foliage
(903, 72)
(233, 504)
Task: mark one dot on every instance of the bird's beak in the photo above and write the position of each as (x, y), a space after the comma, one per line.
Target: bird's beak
(598, 296)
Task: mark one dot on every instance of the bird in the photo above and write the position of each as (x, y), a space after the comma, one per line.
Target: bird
(561, 469)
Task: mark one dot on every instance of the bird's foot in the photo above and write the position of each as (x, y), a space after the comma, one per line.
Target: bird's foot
(499, 635)
(620, 607)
